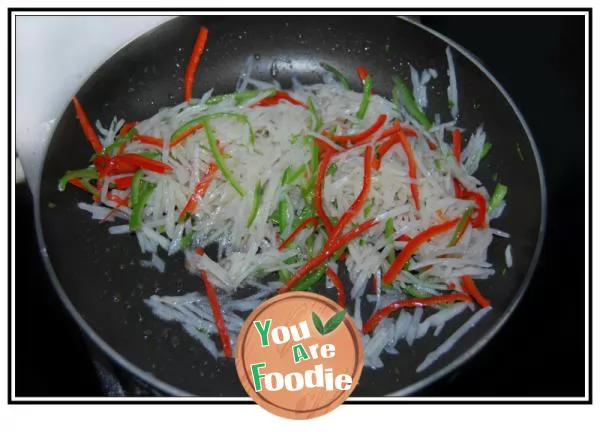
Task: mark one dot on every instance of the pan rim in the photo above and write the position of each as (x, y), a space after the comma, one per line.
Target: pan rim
(405, 391)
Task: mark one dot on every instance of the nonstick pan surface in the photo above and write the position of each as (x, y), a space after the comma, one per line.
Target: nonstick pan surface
(98, 275)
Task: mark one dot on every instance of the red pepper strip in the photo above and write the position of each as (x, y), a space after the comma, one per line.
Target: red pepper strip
(308, 221)
(200, 250)
(324, 146)
(363, 74)
(327, 253)
(319, 190)
(211, 293)
(124, 202)
(123, 182)
(339, 286)
(403, 237)
(147, 139)
(383, 149)
(431, 145)
(186, 134)
(190, 71)
(397, 305)
(86, 126)
(361, 136)
(145, 163)
(481, 204)
(344, 257)
(107, 166)
(395, 128)
(413, 245)
(199, 191)
(127, 127)
(469, 287)
(276, 98)
(360, 200)
(412, 168)
(120, 201)
(458, 189)
(456, 144)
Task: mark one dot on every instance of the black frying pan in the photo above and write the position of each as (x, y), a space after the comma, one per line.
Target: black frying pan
(98, 275)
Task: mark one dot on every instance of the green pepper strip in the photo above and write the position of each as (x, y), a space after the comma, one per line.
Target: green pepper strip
(284, 275)
(368, 209)
(219, 160)
(89, 173)
(135, 186)
(205, 118)
(497, 197)
(364, 104)
(485, 150)
(150, 154)
(415, 292)
(295, 174)
(389, 236)
(240, 97)
(186, 240)
(331, 170)
(461, 226)
(135, 220)
(258, 193)
(117, 143)
(91, 189)
(317, 120)
(404, 96)
(313, 277)
(339, 76)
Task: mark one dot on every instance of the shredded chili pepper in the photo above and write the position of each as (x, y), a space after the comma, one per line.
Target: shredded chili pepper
(339, 286)
(123, 182)
(308, 221)
(190, 71)
(147, 139)
(278, 97)
(360, 200)
(456, 144)
(139, 161)
(199, 191)
(363, 74)
(361, 136)
(383, 149)
(413, 245)
(410, 132)
(124, 202)
(211, 293)
(86, 126)
(127, 127)
(470, 288)
(397, 305)
(186, 134)
(328, 252)
(458, 188)
(403, 237)
(412, 168)
(481, 205)
(319, 191)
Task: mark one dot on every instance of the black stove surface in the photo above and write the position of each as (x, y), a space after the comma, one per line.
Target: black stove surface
(540, 350)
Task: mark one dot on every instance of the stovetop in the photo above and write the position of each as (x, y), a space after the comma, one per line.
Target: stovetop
(540, 350)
